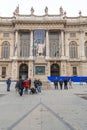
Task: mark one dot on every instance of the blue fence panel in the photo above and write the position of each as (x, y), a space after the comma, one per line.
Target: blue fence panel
(74, 78)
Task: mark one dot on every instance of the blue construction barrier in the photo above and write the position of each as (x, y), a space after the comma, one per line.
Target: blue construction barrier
(73, 78)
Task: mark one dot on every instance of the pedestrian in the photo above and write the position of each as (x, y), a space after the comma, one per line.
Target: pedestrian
(21, 86)
(29, 83)
(35, 83)
(17, 86)
(65, 84)
(56, 83)
(26, 86)
(61, 83)
(81, 83)
(86, 81)
(8, 82)
(70, 83)
(39, 88)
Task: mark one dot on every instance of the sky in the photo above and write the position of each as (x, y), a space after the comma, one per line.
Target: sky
(72, 7)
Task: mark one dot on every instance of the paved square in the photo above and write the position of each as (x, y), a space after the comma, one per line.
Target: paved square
(50, 110)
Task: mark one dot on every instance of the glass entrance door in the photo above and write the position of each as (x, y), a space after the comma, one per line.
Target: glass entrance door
(23, 71)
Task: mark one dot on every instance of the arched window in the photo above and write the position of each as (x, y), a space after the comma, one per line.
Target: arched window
(86, 48)
(5, 49)
(73, 50)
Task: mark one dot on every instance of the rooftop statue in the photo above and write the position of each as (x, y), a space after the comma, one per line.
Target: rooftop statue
(80, 13)
(46, 10)
(61, 10)
(32, 11)
(16, 10)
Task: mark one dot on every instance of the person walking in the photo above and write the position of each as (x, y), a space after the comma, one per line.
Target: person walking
(61, 83)
(65, 84)
(39, 88)
(26, 86)
(70, 83)
(8, 82)
(21, 86)
(56, 83)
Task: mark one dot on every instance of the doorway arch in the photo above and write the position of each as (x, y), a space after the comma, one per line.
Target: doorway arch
(23, 71)
(55, 70)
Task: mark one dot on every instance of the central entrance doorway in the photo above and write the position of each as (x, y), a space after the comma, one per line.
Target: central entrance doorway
(23, 71)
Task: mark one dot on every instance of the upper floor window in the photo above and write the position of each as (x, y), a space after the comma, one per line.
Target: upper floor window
(24, 44)
(73, 50)
(54, 44)
(86, 48)
(5, 49)
(5, 34)
(72, 34)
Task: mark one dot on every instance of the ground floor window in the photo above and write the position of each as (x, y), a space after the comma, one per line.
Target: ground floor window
(74, 70)
(3, 72)
(40, 70)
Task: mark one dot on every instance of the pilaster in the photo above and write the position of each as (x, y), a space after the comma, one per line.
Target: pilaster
(31, 44)
(82, 50)
(14, 73)
(62, 43)
(47, 44)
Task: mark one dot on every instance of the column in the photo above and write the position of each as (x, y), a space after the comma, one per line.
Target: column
(47, 45)
(31, 44)
(62, 43)
(16, 44)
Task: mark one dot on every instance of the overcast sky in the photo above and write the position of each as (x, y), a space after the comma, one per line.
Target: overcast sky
(72, 7)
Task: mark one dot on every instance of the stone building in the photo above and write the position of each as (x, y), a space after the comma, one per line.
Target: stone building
(40, 46)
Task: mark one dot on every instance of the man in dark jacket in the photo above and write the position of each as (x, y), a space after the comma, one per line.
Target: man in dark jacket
(8, 82)
(56, 83)
(65, 84)
(21, 86)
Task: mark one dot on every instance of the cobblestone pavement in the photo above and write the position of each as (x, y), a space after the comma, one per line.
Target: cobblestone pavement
(50, 110)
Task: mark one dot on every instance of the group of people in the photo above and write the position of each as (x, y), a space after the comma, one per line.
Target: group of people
(25, 86)
(61, 82)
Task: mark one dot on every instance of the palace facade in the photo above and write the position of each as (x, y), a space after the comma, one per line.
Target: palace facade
(40, 46)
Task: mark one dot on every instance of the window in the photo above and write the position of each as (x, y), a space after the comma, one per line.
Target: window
(74, 70)
(39, 42)
(72, 34)
(86, 49)
(73, 49)
(3, 72)
(86, 34)
(55, 49)
(5, 49)
(40, 70)
(24, 44)
(5, 34)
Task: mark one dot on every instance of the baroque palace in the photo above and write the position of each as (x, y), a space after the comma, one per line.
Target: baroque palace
(33, 46)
